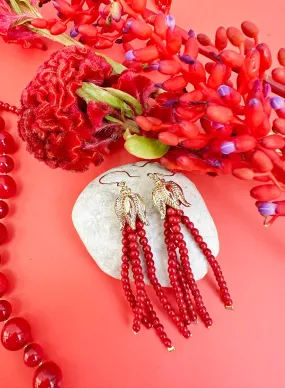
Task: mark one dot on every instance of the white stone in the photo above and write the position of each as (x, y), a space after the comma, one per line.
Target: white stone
(98, 227)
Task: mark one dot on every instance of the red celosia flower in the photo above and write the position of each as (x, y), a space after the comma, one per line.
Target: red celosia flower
(56, 124)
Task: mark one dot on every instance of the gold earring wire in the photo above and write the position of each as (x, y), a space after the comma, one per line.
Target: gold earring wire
(115, 183)
(166, 193)
(128, 205)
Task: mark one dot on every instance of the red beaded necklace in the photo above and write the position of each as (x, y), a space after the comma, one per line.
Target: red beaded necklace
(16, 332)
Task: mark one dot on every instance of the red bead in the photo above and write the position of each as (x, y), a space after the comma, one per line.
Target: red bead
(147, 249)
(5, 310)
(202, 310)
(176, 228)
(7, 144)
(195, 232)
(48, 375)
(125, 250)
(206, 316)
(125, 259)
(180, 212)
(140, 225)
(203, 245)
(3, 284)
(215, 265)
(129, 229)
(149, 257)
(166, 224)
(172, 263)
(134, 245)
(125, 241)
(173, 220)
(3, 233)
(181, 244)
(7, 186)
(183, 252)
(207, 252)
(211, 259)
(132, 237)
(6, 106)
(209, 322)
(141, 233)
(136, 262)
(185, 219)
(198, 239)
(167, 342)
(186, 333)
(2, 123)
(137, 271)
(171, 211)
(16, 333)
(163, 336)
(190, 226)
(143, 241)
(33, 355)
(171, 271)
(4, 209)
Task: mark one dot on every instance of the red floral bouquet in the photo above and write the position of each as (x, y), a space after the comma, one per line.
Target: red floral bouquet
(199, 118)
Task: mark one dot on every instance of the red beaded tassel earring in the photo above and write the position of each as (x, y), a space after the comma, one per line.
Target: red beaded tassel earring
(131, 212)
(167, 197)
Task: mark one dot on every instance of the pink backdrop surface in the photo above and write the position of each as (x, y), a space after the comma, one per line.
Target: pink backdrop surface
(79, 314)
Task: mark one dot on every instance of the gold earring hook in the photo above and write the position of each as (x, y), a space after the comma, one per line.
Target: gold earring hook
(156, 174)
(116, 183)
(150, 173)
(143, 165)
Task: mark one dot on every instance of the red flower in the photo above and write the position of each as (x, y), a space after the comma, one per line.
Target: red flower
(12, 32)
(56, 124)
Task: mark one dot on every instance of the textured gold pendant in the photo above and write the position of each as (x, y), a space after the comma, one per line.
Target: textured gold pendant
(129, 206)
(167, 194)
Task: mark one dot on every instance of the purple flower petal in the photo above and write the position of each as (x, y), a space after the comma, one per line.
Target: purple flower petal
(267, 208)
(130, 55)
(277, 103)
(170, 21)
(224, 90)
(228, 147)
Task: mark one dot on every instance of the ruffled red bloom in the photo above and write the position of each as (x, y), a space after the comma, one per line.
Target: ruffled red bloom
(58, 126)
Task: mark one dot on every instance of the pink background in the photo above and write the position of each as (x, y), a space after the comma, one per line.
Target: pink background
(79, 314)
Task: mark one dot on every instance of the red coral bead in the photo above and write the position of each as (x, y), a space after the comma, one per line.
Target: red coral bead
(33, 355)
(3, 284)
(15, 334)
(6, 164)
(5, 310)
(4, 209)
(7, 144)
(7, 186)
(48, 375)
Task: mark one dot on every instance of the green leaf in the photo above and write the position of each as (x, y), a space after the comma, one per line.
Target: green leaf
(127, 98)
(90, 92)
(113, 119)
(145, 148)
(117, 67)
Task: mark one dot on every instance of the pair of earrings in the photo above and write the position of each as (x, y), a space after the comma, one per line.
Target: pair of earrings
(131, 212)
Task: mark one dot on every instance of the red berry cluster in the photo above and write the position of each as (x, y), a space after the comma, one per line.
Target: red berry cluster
(212, 123)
